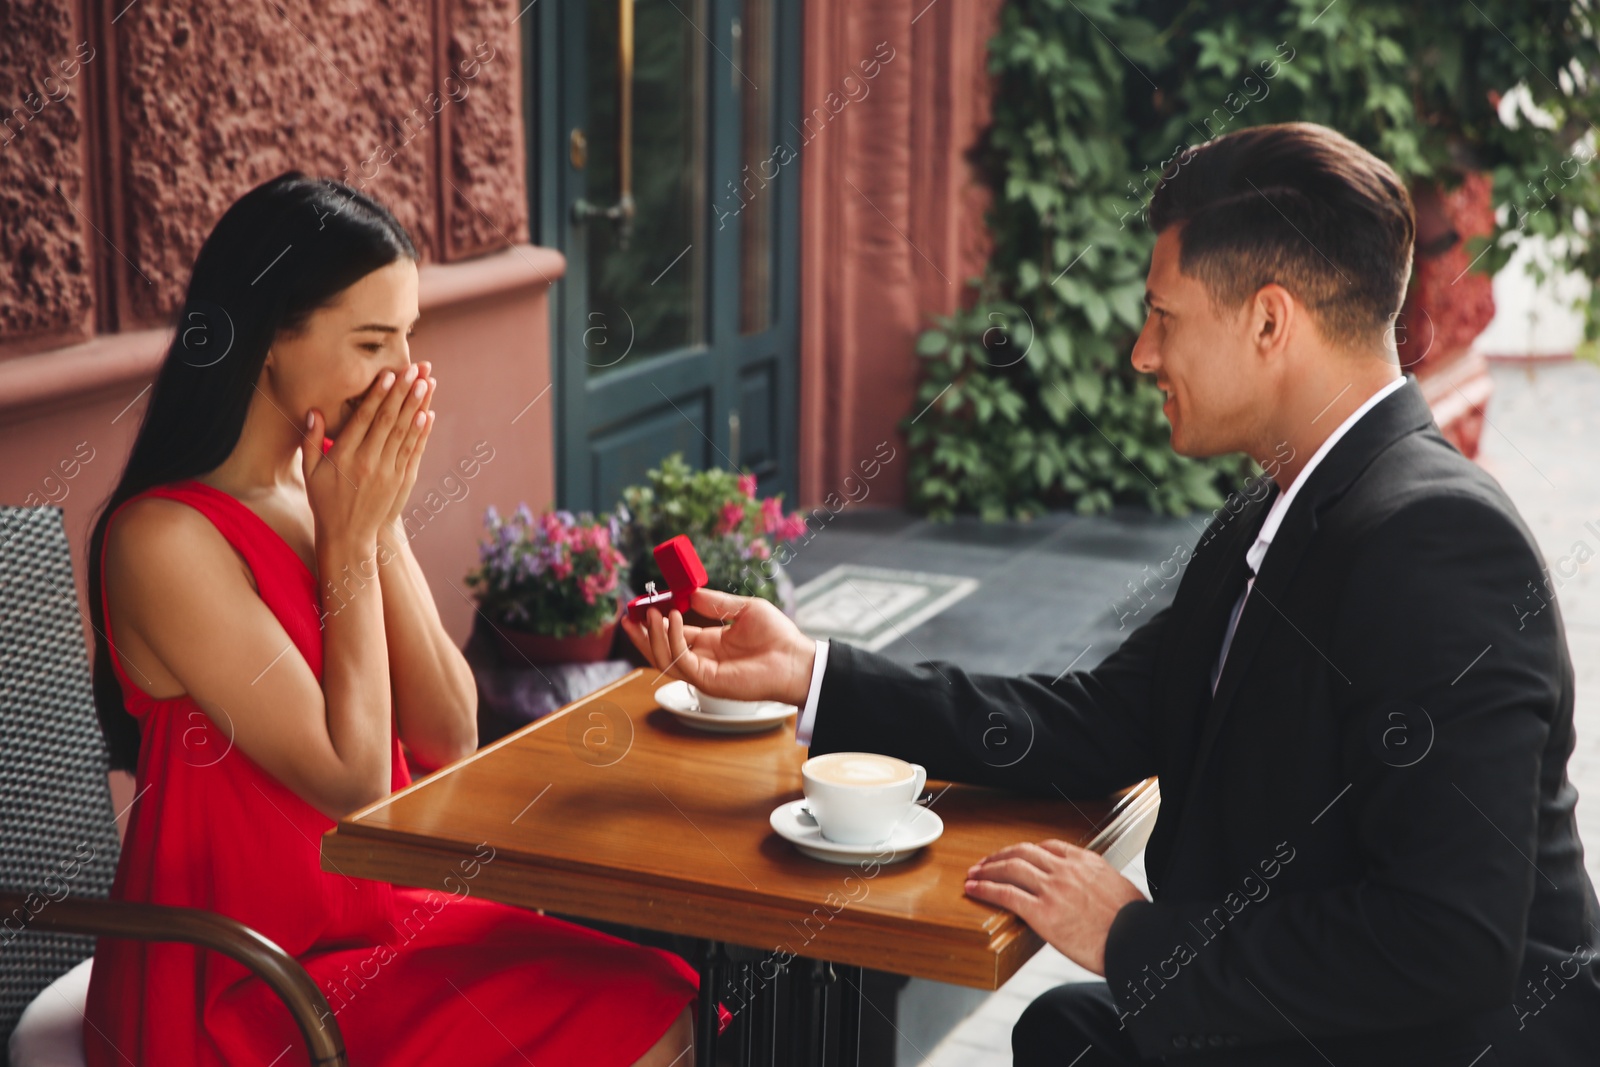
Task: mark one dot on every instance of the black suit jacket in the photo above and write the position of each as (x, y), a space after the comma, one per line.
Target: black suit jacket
(1366, 850)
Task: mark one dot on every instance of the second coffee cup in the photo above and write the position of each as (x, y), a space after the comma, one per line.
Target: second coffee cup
(722, 705)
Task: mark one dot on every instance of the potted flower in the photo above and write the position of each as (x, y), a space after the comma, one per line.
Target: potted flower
(549, 585)
(738, 534)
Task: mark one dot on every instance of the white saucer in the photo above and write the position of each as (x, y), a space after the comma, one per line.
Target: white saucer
(921, 827)
(677, 698)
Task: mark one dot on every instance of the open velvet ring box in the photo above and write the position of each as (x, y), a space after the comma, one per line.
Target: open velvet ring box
(684, 573)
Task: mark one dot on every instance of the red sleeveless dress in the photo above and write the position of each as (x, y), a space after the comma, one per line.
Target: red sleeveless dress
(413, 976)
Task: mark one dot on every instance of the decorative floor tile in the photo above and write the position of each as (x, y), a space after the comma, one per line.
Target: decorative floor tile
(872, 606)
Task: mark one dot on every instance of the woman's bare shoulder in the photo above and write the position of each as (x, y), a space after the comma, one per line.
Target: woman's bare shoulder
(158, 540)
(166, 566)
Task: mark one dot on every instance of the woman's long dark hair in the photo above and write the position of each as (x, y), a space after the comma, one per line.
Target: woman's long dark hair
(286, 248)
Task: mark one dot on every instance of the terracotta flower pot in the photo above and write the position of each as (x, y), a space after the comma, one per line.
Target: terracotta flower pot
(520, 645)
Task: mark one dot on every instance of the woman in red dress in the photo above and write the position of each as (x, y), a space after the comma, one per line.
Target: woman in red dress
(265, 646)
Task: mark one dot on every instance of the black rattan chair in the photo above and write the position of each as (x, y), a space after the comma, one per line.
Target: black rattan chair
(58, 835)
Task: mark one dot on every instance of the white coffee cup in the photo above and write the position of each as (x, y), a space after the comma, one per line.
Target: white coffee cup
(859, 798)
(723, 706)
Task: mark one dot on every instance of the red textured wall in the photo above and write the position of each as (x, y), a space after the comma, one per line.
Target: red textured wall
(46, 287)
(214, 97)
(485, 190)
(414, 101)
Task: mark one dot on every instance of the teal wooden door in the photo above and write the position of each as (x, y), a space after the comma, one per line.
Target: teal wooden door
(667, 172)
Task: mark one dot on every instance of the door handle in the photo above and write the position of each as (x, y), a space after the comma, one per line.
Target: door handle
(622, 211)
(733, 435)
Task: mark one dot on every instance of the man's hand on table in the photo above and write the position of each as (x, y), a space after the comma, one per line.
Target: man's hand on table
(760, 655)
(1067, 894)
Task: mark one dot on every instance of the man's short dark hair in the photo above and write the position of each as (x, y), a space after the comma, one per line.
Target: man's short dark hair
(1300, 205)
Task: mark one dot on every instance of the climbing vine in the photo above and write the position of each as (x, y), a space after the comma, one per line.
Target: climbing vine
(1028, 400)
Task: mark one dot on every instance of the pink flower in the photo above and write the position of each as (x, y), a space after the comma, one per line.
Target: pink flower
(732, 517)
(792, 527)
(759, 549)
(771, 514)
(588, 587)
(562, 568)
(747, 485)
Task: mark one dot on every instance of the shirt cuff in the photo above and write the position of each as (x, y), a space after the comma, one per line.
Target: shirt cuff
(806, 720)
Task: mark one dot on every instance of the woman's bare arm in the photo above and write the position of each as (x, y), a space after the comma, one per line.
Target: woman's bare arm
(436, 697)
(176, 585)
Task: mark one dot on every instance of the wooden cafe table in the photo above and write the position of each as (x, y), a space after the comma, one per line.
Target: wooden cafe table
(611, 810)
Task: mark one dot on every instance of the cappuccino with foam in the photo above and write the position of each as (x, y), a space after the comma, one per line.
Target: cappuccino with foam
(859, 768)
(860, 798)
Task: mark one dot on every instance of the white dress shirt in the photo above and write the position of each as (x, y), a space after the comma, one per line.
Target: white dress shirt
(806, 720)
(808, 715)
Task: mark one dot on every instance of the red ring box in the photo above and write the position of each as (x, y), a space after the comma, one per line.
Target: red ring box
(684, 573)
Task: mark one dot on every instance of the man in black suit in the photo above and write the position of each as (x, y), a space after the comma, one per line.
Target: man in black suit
(1359, 702)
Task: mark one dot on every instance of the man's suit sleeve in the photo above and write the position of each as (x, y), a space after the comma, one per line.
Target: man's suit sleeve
(1430, 639)
(1084, 733)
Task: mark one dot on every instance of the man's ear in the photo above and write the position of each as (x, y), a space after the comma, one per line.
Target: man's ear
(1272, 318)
